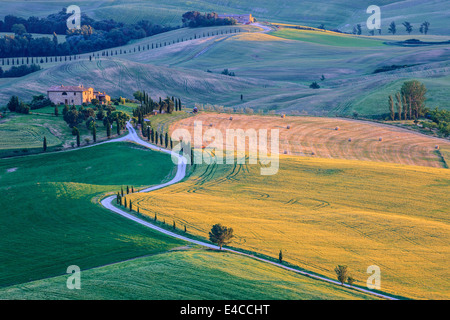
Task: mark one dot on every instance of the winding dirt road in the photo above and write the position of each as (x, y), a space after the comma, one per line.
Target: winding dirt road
(180, 175)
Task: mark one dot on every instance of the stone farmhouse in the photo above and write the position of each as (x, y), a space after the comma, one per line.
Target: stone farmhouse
(76, 95)
(240, 18)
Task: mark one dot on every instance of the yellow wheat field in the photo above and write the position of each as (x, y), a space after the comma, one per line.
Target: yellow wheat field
(318, 137)
(324, 212)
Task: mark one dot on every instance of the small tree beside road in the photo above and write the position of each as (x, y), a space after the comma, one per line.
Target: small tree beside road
(221, 235)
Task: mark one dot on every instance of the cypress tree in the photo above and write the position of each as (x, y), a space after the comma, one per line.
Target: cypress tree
(131, 206)
(122, 191)
(118, 127)
(174, 225)
(132, 189)
(128, 190)
(391, 108)
(399, 105)
(108, 129)
(148, 134)
(45, 144)
(167, 140)
(185, 230)
(94, 133)
(280, 257)
(156, 218)
(125, 202)
(56, 111)
(161, 139)
(78, 137)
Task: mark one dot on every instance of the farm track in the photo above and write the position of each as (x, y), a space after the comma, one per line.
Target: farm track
(180, 175)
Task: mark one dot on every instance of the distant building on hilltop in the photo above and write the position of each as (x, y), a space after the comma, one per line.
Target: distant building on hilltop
(76, 95)
(240, 18)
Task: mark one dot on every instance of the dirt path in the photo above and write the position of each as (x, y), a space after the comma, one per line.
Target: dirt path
(180, 175)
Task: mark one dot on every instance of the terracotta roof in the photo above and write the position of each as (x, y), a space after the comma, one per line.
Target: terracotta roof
(67, 89)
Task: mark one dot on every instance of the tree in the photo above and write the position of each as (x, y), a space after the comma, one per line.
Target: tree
(415, 91)
(399, 105)
(18, 29)
(391, 108)
(45, 144)
(221, 235)
(77, 133)
(280, 256)
(351, 280)
(56, 111)
(424, 27)
(94, 132)
(342, 273)
(392, 28)
(108, 129)
(408, 27)
(314, 85)
(358, 29)
(65, 110)
(13, 104)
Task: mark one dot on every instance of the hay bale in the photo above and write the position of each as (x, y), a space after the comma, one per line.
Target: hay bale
(231, 118)
(313, 153)
(349, 139)
(436, 147)
(210, 124)
(381, 139)
(288, 127)
(337, 129)
(285, 152)
(283, 116)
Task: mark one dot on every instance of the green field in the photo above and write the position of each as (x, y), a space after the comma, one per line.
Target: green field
(181, 275)
(49, 219)
(328, 39)
(52, 220)
(24, 134)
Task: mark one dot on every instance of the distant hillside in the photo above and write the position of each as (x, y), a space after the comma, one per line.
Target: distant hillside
(333, 13)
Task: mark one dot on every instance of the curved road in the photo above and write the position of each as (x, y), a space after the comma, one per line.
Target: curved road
(181, 173)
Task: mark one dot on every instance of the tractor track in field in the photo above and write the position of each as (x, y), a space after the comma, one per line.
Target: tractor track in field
(179, 176)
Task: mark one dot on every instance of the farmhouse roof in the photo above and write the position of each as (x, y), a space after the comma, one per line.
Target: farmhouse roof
(67, 89)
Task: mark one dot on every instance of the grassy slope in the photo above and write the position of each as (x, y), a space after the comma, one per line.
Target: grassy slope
(272, 73)
(194, 274)
(323, 213)
(333, 13)
(122, 78)
(22, 134)
(49, 221)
